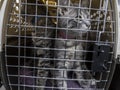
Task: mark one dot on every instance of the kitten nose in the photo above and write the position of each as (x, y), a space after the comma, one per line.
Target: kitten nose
(88, 24)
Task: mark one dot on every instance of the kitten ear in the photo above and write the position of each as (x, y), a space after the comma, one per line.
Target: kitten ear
(62, 10)
(85, 3)
(64, 2)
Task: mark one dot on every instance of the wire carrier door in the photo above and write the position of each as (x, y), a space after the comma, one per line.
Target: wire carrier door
(58, 44)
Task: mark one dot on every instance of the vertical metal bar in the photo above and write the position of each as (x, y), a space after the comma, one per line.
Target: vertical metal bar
(98, 32)
(19, 44)
(36, 23)
(25, 7)
(105, 7)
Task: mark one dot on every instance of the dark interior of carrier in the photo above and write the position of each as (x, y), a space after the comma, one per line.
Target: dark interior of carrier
(21, 65)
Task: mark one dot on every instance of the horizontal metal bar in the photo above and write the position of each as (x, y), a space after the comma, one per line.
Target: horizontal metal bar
(53, 69)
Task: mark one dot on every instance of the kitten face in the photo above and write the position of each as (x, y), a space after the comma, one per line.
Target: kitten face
(77, 19)
(72, 18)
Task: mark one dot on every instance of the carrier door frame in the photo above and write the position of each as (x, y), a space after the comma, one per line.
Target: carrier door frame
(4, 16)
(117, 17)
(116, 27)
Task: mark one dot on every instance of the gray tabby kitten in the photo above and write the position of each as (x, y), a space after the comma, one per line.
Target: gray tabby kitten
(74, 23)
(40, 35)
(42, 50)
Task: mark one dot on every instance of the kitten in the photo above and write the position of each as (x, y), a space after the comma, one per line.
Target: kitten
(74, 23)
(42, 47)
(40, 38)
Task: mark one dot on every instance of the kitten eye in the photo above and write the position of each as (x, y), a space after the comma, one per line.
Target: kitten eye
(72, 24)
(80, 16)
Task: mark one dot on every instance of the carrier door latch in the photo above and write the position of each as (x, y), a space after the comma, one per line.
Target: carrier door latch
(101, 57)
(118, 59)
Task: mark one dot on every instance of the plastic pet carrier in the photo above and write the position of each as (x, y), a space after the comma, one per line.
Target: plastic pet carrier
(59, 44)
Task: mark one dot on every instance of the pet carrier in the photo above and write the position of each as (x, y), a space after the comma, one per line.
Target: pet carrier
(59, 44)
